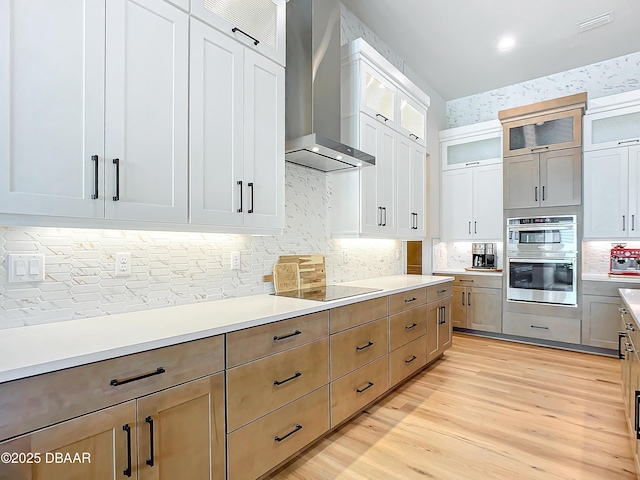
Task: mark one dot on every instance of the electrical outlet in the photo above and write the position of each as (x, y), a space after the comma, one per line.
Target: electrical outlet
(123, 264)
(345, 256)
(235, 260)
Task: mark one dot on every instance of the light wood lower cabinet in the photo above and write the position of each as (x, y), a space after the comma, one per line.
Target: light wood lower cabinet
(356, 390)
(407, 326)
(407, 360)
(178, 430)
(439, 328)
(477, 308)
(358, 346)
(258, 447)
(104, 440)
(629, 340)
(600, 313)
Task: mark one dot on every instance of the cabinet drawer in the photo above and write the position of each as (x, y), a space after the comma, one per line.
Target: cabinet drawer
(35, 402)
(257, 342)
(255, 449)
(539, 326)
(356, 347)
(358, 313)
(485, 281)
(406, 300)
(356, 390)
(407, 360)
(407, 326)
(252, 390)
(438, 292)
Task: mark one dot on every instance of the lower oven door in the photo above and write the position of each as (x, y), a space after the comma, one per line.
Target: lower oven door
(539, 280)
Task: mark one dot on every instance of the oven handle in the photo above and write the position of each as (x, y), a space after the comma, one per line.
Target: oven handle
(543, 260)
(541, 227)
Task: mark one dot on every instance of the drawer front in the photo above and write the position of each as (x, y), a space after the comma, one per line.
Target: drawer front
(257, 448)
(486, 281)
(406, 300)
(259, 387)
(539, 326)
(252, 343)
(407, 326)
(356, 314)
(407, 359)
(36, 402)
(356, 347)
(358, 389)
(438, 292)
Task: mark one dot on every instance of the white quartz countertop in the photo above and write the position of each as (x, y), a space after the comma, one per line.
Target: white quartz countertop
(631, 299)
(604, 277)
(33, 350)
(462, 271)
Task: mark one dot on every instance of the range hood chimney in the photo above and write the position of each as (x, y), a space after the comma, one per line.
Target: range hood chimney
(312, 116)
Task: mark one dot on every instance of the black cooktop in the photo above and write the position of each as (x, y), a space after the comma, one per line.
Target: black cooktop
(327, 293)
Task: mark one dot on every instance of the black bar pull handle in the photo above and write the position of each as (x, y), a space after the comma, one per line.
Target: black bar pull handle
(116, 162)
(543, 188)
(382, 116)
(115, 382)
(463, 280)
(633, 222)
(540, 148)
(364, 347)
(637, 410)
(413, 299)
(536, 193)
(250, 185)
(624, 223)
(411, 327)
(297, 429)
(443, 316)
(295, 375)
(94, 159)
(629, 141)
(240, 185)
(414, 136)
(276, 337)
(463, 299)
(384, 209)
(360, 390)
(469, 298)
(150, 460)
(255, 40)
(471, 163)
(621, 335)
(379, 216)
(475, 227)
(469, 228)
(407, 362)
(127, 471)
(440, 292)
(539, 328)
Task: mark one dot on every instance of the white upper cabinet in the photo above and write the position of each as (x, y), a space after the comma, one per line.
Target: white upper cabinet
(146, 111)
(237, 133)
(612, 121)
(477, 144)
(52, 107)
(412, 118)
(471, 189)
(258, 24)
(383, 114)
(379, 95)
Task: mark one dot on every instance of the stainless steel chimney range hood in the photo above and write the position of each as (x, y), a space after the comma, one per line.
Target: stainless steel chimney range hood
(312, 116)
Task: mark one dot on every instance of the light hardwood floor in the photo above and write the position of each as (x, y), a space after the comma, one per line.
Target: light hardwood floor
(489, 409)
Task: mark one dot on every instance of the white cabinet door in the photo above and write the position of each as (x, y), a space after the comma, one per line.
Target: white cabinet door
(606, 193)
(264, 142)
(379, 95)
(146, 111)
(457, 213)
(258, 24)
(216, 119)
(377, 184)
(634, 191)
(51, 107)
(410, 217)
(487, 203)
(412, 118)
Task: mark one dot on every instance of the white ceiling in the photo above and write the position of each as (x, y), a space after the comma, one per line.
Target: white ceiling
(451, 44)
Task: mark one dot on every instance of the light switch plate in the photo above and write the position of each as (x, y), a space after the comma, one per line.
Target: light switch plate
(25, 268)
(123, 264)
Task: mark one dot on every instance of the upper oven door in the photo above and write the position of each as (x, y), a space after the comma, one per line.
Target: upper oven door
(541, 240)
(542, 280)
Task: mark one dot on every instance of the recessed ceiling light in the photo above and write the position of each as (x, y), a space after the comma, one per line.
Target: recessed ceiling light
(506, 43)
(596, 21)
(315, 149)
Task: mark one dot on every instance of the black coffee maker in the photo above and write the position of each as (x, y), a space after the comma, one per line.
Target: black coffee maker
(483, 255)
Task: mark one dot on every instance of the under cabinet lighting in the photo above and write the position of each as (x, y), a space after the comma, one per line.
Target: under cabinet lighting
(339, 157)
(315, 149)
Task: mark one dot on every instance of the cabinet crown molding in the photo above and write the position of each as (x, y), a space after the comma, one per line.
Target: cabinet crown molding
(570, 102)
(466, 131)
